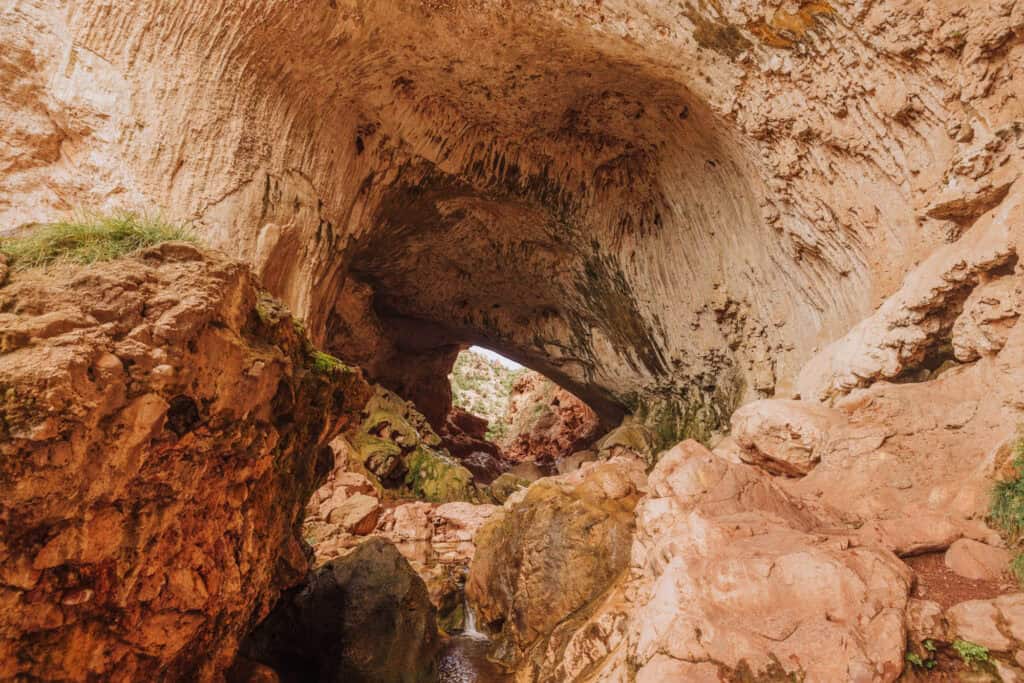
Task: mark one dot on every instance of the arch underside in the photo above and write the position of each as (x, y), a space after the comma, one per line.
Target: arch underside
(425, 176)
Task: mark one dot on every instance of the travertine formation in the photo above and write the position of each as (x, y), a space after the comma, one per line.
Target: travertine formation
(658, 202)
(160, 432)
(671, 208)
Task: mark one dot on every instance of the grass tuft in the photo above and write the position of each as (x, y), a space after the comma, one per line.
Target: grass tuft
(89, 237)
(1007, 506)
(972, 654)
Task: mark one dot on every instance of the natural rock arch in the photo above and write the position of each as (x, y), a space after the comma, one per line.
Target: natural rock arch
(668, 206)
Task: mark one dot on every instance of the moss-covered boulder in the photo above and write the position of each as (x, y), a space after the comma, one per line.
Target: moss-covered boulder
(381, 457)
(505, 485)
(392, 426)
(397, 447)
(437, 478)
(385, 405)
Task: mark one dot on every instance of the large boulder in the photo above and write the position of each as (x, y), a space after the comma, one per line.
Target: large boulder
(732, 579)
(363, 617)
(784, 437)
(979, 561)
(732, 570)
(552, 549)
(996, 624)
(161, 429)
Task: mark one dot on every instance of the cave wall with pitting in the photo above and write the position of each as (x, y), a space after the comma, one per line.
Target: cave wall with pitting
(665, 206)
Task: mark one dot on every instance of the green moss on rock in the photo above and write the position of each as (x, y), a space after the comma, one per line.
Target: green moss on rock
(401, 452)
(435, 477)
(379, 456)
(326, 364)
(392, 426)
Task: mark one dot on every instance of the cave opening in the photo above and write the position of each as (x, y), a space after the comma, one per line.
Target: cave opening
(526, 423)
(617, 251)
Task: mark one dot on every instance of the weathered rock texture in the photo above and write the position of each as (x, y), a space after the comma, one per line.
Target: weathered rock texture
(732, 579)
(553, 549)
(649, 202)
(668, 207)
(160, 433)
(545, 422)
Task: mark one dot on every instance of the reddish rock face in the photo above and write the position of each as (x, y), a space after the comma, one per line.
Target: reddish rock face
(546, 422)
(465, 437)
(160, 433)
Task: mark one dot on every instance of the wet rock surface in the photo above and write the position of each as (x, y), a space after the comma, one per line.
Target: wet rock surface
(550, 550)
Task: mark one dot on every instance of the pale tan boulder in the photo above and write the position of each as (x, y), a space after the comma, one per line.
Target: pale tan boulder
(732, 571)
(571, 463)
(356, 514)
(436, 539)
(974, 560)
(997, 624)
(458, 522)
(989, 313)
(925, 620)
(784, 437)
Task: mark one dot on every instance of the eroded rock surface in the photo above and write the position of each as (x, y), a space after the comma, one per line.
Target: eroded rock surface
(731, 577)
(160, 431)
(649, 202)
(552, 549)
(545, 422)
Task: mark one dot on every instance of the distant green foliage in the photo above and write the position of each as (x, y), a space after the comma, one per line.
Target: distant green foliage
(89, 237)
(1007, 506)
(482, 386)
(972, 653)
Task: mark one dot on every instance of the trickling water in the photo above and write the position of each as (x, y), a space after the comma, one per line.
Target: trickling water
(469, 630)
(464, 659)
